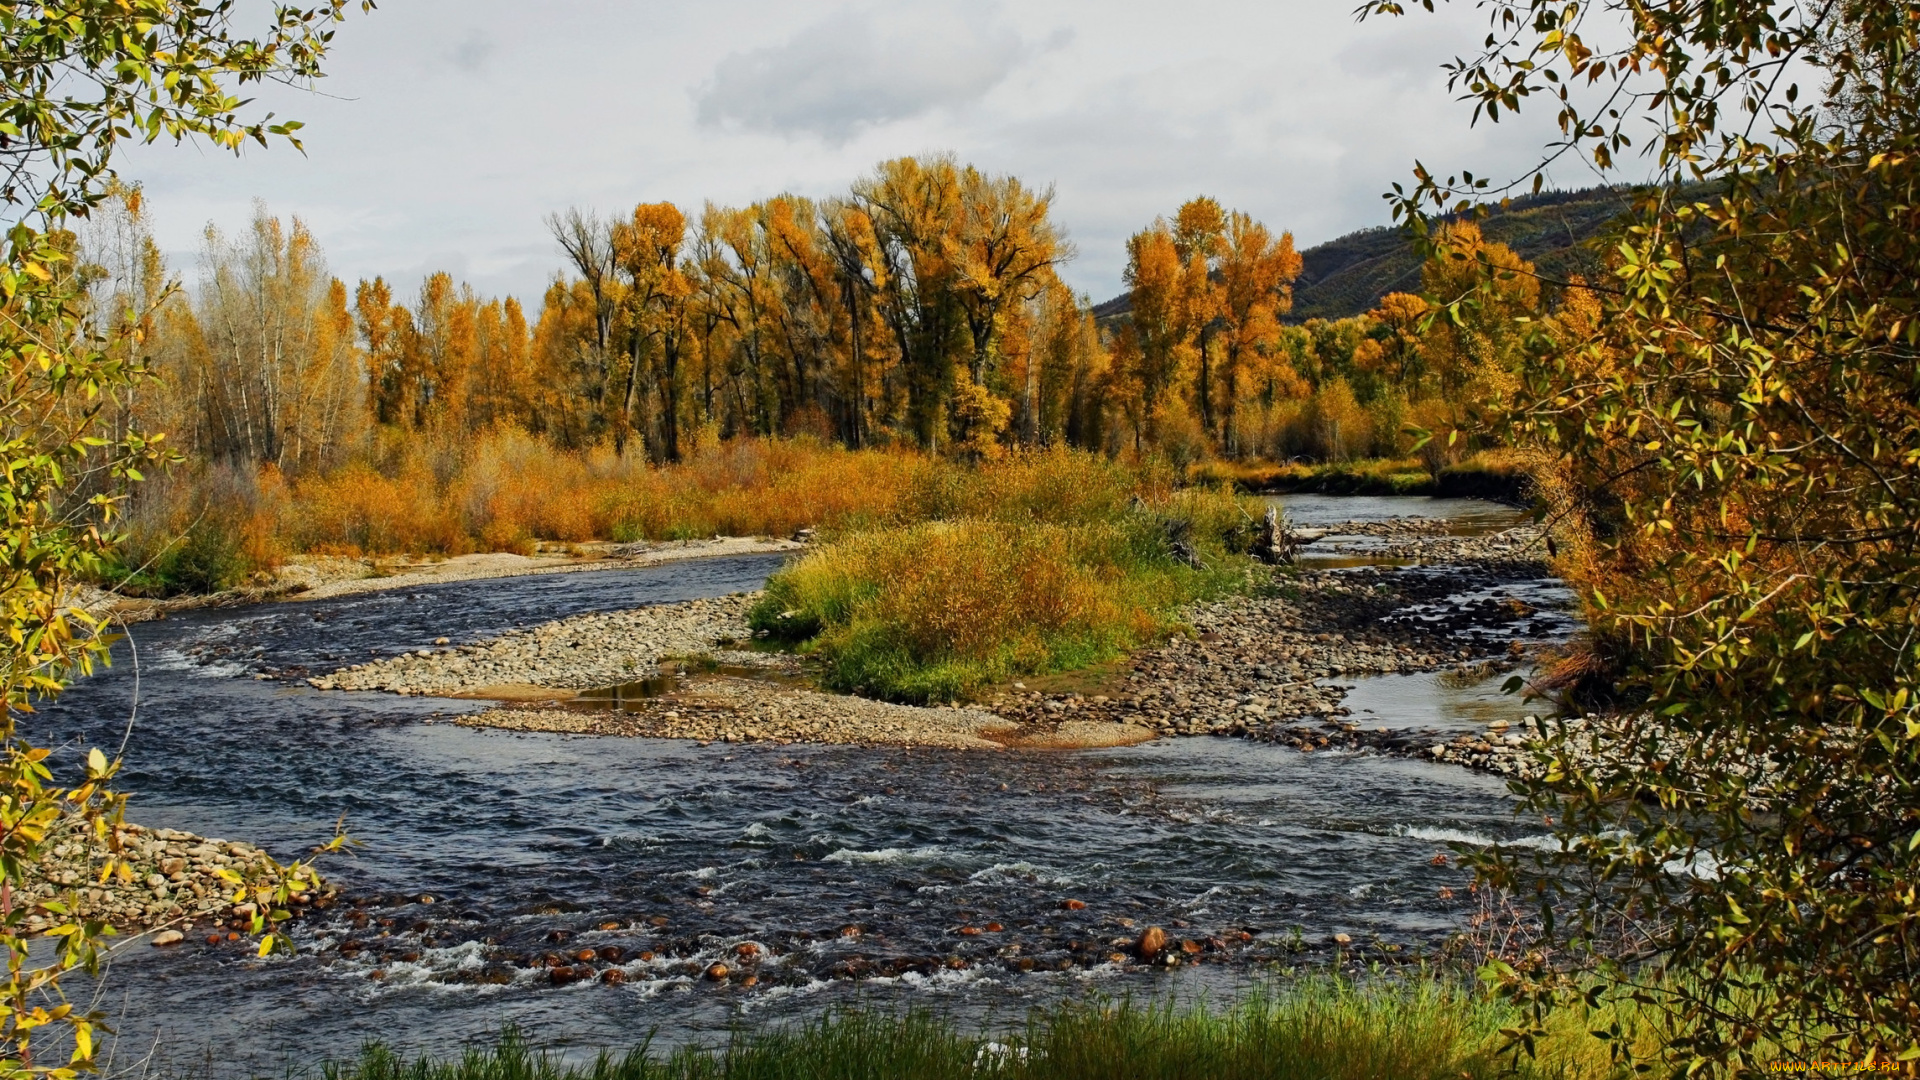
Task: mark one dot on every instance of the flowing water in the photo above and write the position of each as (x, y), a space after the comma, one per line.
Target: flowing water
(862, 874)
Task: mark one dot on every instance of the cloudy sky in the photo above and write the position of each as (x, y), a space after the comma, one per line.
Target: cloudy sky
(448, 129)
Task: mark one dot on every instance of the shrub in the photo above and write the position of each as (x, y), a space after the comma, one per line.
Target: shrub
(1340, 428)
(198, 531)
(1047, 562)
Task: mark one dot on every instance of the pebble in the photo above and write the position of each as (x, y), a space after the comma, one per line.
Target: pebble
(726, 708)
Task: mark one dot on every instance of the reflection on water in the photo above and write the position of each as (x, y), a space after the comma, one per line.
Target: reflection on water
(1468, 517)
(1439, 700)
(629, 696)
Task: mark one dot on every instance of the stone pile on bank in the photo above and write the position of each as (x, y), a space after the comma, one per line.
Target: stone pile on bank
(1394, 527)
(1520, 549)
(175, 879)
(581, 653)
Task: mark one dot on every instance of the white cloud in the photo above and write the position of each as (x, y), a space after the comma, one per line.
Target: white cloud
(450, 128)
(858, 69)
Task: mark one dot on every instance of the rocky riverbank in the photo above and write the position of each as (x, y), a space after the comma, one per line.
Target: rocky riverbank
(1257, 661)
(733, 709)
(174, 883)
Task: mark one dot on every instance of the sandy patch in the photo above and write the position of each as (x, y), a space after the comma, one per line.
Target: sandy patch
(1080, 735)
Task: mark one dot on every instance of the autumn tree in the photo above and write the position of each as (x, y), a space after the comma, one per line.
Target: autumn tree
(1206, 291)
(916, 211)
(1395, 352)
(588, 244)
(865, 318)
(451, 364)
(1007, 247)
(1067, 375)
(850, 241)
(501, 387)
(1256, 272)
(1738, 435)
(1489, 294)
(271, 366)
(1155, 350)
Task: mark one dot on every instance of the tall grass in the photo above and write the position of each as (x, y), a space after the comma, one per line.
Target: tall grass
(1316, 1030)
(508, 491)
(511, 490)
(206, 527)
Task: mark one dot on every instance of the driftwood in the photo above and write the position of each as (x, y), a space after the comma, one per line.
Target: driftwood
(1274, 544)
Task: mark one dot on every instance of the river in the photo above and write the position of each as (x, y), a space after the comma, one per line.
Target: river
(856, 869)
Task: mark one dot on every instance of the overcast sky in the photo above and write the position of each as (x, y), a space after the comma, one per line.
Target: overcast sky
(448, 129)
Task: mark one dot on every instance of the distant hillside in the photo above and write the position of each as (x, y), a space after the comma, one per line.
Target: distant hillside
(1349, 275)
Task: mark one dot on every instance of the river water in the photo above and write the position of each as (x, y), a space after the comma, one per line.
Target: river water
(856, 870)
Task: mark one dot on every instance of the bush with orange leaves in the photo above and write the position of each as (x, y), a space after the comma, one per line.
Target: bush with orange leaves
(511, 491)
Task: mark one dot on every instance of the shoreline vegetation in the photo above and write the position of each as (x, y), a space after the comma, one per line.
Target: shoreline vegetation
(1424, 1025)
(1496, 475)
(931, 577)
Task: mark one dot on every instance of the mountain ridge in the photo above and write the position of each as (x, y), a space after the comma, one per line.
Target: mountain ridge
(1349, 274)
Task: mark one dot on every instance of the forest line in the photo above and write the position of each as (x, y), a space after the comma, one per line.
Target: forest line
(923, 309)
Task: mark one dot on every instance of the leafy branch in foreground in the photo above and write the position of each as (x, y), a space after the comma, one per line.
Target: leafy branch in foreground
(1741, 439)
(76, 79)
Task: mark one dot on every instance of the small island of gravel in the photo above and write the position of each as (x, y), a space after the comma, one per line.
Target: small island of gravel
(1254, 665)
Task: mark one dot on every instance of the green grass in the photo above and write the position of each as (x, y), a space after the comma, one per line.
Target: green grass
(1322, 1028)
